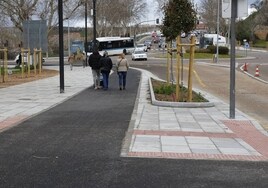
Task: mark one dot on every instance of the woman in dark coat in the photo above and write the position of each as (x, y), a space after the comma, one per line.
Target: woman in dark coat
(106, 66)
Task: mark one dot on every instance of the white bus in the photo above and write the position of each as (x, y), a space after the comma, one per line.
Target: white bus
(113, 45)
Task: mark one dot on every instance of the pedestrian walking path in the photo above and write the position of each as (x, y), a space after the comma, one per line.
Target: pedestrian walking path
(154, 131)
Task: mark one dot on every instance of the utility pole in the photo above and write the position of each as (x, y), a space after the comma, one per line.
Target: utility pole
(232, 61)
(61, 48)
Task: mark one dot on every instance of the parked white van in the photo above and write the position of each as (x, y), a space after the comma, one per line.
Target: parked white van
(211, 39)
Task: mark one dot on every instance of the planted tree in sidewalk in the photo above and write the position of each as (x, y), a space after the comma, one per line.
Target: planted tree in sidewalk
(179, 17)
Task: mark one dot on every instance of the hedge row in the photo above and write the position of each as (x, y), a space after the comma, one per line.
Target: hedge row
(212, 49)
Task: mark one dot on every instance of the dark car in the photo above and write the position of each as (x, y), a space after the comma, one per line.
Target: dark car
(148, 43)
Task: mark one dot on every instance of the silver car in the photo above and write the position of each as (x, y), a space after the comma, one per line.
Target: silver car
(139, 55)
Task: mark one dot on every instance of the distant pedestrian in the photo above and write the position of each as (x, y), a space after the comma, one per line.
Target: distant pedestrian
(94, 63)
(122, 66)
(106, 66)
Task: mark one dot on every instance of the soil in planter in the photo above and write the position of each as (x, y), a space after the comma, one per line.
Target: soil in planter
(16, 78)
(167, 92)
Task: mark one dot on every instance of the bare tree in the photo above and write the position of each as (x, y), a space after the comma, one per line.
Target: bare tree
(110, 13)
(21, 10)
(160, 5)
(48, 10)
(117, 13)
(262, 17)
(208, 11)
(18, 10)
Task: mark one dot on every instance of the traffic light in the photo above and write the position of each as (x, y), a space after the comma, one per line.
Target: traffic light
(157, 20)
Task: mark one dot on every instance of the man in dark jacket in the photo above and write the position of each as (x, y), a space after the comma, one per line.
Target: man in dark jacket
(94, 63)
(106, 66)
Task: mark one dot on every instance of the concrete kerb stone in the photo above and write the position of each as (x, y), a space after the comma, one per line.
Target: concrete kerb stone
(129, 134)
(177, 104)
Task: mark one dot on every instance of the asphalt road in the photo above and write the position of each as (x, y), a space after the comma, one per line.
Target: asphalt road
(78, 144)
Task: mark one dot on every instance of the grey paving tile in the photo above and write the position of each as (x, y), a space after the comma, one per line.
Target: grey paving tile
(173, 141)
(189, 124)
(234, 151)
(146, 143)
(192, 129)
(145, 148)
(214, 130)
(205, 151)
(148, 126)
(170, 126)
(147, 138)
(226, 143)
(202, 146)
(176, 149)
(198, 140)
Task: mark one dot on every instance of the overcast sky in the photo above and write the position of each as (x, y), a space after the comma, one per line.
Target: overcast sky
(153, 14)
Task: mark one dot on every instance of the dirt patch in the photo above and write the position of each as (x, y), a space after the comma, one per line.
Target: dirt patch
(16, 78)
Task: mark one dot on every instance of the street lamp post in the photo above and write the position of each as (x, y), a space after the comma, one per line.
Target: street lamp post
(86, 46)
(232, 60)
(69, 50)
(94, 26)
(218, 30)
(61, 47)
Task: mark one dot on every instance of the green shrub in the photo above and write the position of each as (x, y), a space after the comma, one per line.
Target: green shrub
(202, 50)
(212, 49)
(260, 44)
(222, 50)
(166, 89)
(162, 89)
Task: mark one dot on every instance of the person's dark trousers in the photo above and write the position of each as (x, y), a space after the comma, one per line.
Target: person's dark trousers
(122, 79)
(105, 75)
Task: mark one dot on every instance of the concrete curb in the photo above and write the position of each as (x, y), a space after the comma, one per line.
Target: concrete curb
(177, 104)
(250, 75)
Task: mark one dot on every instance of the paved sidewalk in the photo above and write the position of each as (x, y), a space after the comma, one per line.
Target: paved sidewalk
(154, 132)
(194, 133)
(20, 102)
